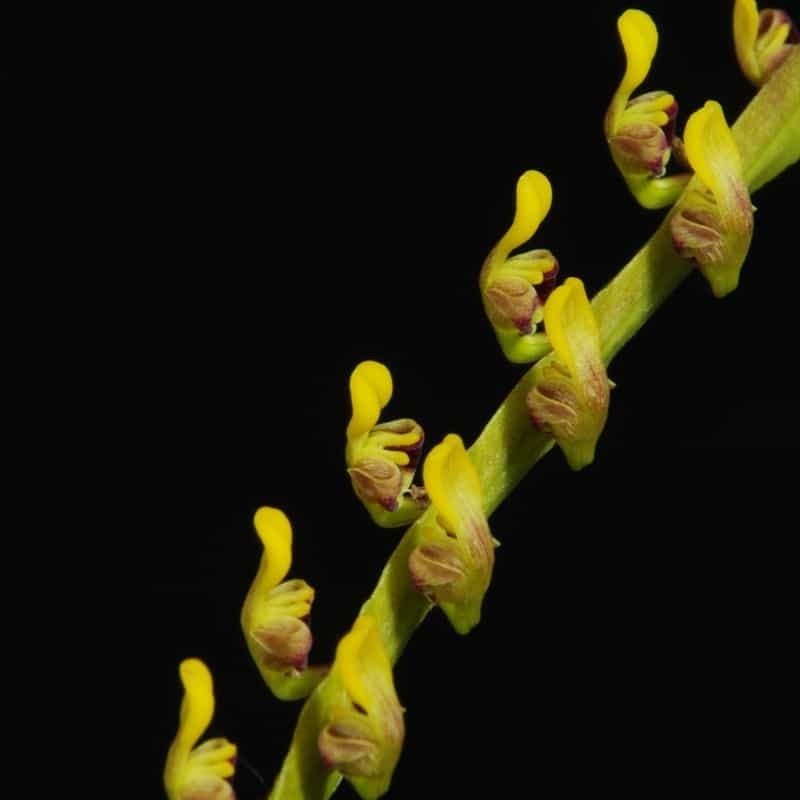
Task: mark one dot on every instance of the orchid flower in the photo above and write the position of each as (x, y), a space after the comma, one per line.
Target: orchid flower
(640, 130)
(198, 772)
(514, 288)
(275, 612)
(382, 458)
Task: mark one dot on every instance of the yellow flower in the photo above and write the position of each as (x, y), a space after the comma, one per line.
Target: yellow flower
(382, 458)
(364, 730)
(452, 564)
(763, 39)
(640, 130)
(713, 224)
(274, 613)
(511, 301)
(571, 392)
(198, 773)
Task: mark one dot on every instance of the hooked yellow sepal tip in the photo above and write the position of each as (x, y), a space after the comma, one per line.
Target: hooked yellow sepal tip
(639, 37)
(534, 198)
(275, 531)
(197, 708)
(370, 392)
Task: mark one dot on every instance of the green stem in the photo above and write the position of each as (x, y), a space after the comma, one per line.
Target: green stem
(509, 445)
(768, 130)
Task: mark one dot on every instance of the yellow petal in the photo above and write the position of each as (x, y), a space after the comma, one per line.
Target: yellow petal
(451, 481)
(572, 328)
(534, 198)
(361, 658)
(745, 33)
(370, 391)
(214, 757)
(275, 532)
(640, 41)
(197, 707)
(713, 154)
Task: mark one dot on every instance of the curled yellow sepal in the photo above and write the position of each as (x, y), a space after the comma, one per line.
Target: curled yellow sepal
(198, 771)
(370, 392)
(571, 392)
(275, 532)
(534, 198)
(363, 730)
(713, 227)
(382, 458)
(762, 39)
(453, 560)
(508, 283)
(639, 37)
(274, 613)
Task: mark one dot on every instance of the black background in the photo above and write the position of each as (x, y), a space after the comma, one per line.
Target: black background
(322, 189)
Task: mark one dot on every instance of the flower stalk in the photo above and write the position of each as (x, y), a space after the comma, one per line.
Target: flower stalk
(767, 135)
